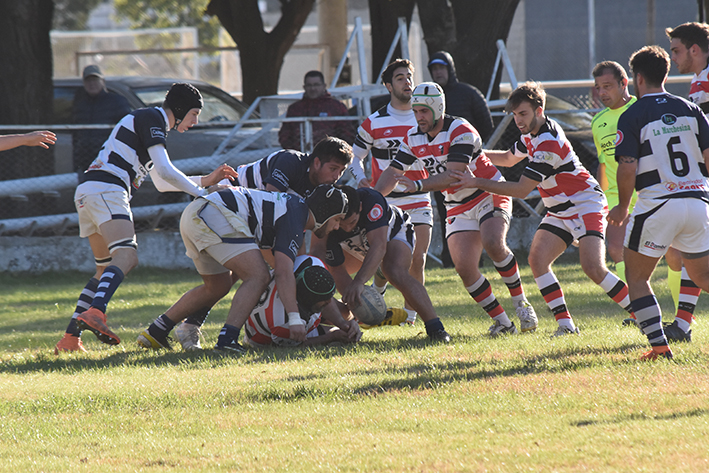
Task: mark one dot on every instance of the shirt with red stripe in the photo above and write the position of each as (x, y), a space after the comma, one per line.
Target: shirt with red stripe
(268, 322)
(381, 134)
(699, 89)
(567, 189)
(457, 142)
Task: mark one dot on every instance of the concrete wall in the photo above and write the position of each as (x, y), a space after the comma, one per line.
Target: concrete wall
(40, 254)
(160, 250)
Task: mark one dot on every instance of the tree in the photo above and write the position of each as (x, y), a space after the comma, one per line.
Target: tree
(170, 13)
(468, 30)
(479, 25)
(26, 95)
(72, 15)
(261, 53)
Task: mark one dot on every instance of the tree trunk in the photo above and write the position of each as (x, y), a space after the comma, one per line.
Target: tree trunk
(384, 15)
(26, 91)
(261, 53)
(26, 58)
(479, 26)
(438, 25)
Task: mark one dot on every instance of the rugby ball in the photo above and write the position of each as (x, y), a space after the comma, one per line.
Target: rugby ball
(373, 309)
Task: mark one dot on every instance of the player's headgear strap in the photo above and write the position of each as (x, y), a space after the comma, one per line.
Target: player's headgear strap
(430, 95)
(313, 284)
(326, 201)
(181, 98)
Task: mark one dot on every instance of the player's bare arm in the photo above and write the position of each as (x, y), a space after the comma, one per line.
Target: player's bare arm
(601, 177)
(377, 249)
(435, 182)
(625, 176)
(42, 138)
(331, 313)
(387, 180)
(505, 159)
(222, 172)
(285, 282)
(520, 189)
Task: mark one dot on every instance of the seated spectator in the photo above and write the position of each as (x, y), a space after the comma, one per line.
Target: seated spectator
(94, 104)
(316, 102)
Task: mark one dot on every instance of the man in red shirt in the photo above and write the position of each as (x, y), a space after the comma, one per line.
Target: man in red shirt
(316, 102)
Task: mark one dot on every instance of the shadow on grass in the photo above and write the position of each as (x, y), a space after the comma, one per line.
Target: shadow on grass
(642, 416)
(392, 378)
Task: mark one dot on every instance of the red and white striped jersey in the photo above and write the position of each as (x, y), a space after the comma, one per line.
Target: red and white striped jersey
(382, 133)
(699, 89)
(567, 189)
(458, 142)
(268, 322)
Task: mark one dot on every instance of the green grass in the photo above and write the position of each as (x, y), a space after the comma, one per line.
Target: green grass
(391, 403)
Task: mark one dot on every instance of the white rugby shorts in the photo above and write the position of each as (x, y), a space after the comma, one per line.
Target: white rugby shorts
(470, 220)
(210, 240)
(655, 225)
(97, 209)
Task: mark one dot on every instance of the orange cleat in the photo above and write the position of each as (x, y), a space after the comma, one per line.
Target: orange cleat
(95, 321)
(69, 343)
(656, 352)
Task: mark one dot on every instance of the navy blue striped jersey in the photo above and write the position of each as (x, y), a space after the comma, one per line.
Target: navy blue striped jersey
(124, 161)
(285, 169)
(375, 213)
(276, 220)
(667, 135)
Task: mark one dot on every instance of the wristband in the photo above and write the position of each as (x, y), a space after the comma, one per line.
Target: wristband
(294, 319)
(419, 185)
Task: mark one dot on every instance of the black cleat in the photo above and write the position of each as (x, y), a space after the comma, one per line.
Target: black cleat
(440, 336)
(676, 334)
(233, 347)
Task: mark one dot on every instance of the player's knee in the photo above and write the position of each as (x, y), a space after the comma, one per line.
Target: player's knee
(496, 249)
(595, 271)
(616, 253)
(220, 286)
(124, 253)
(263, 278)
(397, 275)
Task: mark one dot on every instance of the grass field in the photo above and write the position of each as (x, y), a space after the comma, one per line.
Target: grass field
(394, 402)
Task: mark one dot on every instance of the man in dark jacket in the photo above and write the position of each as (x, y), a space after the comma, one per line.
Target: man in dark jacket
(94, 104)
(462, 100)
(316, 102)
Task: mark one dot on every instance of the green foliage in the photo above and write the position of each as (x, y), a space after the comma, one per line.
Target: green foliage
(72, 15)
(394, 402)
(169, 13)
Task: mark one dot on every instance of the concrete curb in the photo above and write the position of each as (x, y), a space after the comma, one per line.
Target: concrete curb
(159, 250)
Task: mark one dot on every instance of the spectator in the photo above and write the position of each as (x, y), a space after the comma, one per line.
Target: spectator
(462, 100)
(316, 102)
(94, 104)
